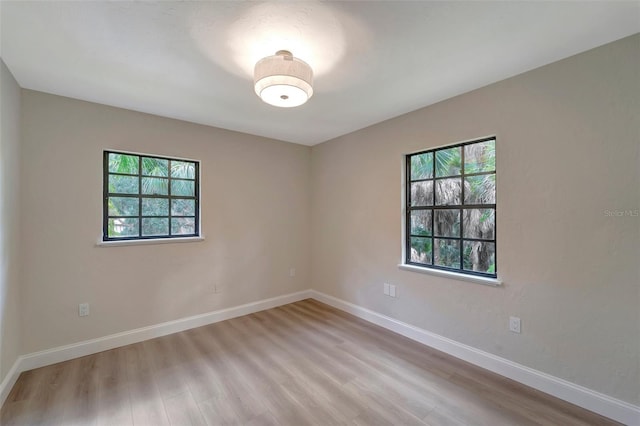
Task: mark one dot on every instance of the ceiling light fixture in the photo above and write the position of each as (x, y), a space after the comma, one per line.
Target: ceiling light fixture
(282, 80)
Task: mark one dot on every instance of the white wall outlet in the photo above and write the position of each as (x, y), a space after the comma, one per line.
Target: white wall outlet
(292, 272)
(392, 290)
(83, 309)
(386, 289)
(514, 324)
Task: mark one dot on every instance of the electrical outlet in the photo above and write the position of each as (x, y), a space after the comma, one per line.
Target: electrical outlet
(514, 324)
(83, 309)
(292, 272)
(386, 289)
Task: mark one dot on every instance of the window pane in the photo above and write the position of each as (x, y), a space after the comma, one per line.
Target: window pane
(183, 169)
(185, 188)
(480, 189)
(447, 223)
(123, 184)
(422, 166)
(479, 223)
(448, 208)
(447, 253)
(480, 157)
(123, 206)
(448, 162)
(139, 202)
(421, 222)
(183, 207)
(479, 256)
(421, 250)
(155, 186)
(422, 193)
(155, 166)
(122, 163)
(155, 207)
(155, 226)
(118, 228)
(185, 225)
(448, 192)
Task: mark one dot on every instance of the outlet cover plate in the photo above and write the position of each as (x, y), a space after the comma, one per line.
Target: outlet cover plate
(83, 309)
(514, 324)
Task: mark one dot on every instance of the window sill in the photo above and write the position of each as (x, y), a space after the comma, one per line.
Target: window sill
(495, 282)
(149, 242)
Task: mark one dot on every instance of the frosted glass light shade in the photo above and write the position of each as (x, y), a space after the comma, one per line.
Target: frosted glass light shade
(282, 80)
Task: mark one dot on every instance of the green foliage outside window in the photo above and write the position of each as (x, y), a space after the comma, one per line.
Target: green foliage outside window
(451, 205)
(149, 197)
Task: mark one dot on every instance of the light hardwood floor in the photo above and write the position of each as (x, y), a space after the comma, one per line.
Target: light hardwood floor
(303, 363)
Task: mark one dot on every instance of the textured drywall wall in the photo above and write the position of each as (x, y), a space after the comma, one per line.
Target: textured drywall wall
(568, 180)
(255, 218)
(10, 324)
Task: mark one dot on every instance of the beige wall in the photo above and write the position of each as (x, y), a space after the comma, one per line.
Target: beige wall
(255, 217)
(10, 331)
(567, 151)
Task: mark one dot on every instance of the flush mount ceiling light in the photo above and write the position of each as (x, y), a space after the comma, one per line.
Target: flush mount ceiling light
(282, 80)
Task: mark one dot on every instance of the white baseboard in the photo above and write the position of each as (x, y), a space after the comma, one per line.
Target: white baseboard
(602, 404)
(9, 380)
(88, 347)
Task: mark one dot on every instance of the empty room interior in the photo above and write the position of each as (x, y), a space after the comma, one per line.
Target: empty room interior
(319, 213)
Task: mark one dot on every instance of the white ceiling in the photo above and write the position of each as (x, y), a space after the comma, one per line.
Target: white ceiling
(372, 60)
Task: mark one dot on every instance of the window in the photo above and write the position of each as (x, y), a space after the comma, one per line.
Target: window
(148, 197)
(451, 208)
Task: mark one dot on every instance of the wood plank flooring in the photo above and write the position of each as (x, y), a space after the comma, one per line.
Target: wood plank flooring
(300, 364)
